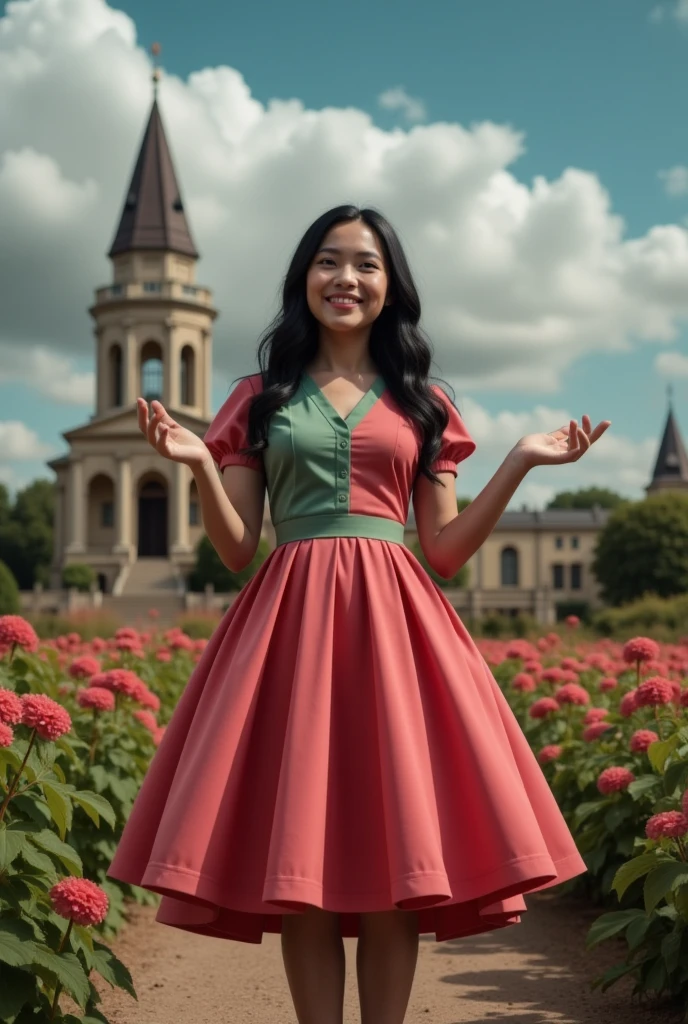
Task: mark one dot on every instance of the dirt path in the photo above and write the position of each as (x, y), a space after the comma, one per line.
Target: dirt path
(531, 973)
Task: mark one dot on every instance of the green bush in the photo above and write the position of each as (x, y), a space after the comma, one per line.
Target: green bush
(198, 625)
(664, 618)
(87, 624)
(210, 569)
(9, 592)
(459, 580)
(78, 575)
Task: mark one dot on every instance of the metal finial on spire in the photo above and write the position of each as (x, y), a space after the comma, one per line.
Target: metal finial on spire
(670, 394)
(155, 51)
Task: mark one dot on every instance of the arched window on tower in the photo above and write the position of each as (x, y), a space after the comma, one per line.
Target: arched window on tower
(509, 567)
(151, 371)
(187, 382)
(116, 375)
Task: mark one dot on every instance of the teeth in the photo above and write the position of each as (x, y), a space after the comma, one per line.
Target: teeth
(348, 302)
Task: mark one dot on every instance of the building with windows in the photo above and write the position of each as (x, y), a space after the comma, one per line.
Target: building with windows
(135, 517)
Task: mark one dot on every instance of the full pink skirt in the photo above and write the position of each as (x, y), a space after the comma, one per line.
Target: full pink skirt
(343, 744)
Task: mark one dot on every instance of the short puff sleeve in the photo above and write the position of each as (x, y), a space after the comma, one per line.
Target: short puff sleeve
(229, 430)
(457, 443)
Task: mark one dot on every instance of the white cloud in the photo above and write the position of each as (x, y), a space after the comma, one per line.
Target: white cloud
(517, 281)
(677, 10)
(675, 180)
(656, 15)
(47, 372)
(17, 441)
(398, 99)
(672, 365)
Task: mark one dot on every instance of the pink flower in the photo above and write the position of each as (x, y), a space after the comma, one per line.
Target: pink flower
(654, 691)
(519, 649)
(6, 735)
(126, 632)
(180, 642)
(524, 682)
(641, 740)
(17, 632)
(666, 825)
(79, 900)
(608, 683)
(147, 720)
(148, 699)
(84, 667)
(572, 693)
(153, 613)
(549, 753)
(611, 780)
(595, 715)
(10, 707)
(595, 730)
(158, 735)
(120, 680)
(46, 716)
(552, 675)
(543, 707)
(98, 644)
(683, 698)
(640, 648)
(127, 643)
(163, 655)
(96, 697)
(628, 704)
(572, 621)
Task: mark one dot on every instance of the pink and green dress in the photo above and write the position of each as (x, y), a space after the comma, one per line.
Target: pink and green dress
(342, 742)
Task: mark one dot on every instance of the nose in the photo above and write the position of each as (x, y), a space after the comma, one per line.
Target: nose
(345, 275)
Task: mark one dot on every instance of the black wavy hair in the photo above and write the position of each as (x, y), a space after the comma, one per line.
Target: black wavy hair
(398, 346)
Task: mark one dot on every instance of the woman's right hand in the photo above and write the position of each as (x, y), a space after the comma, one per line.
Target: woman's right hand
(169, 438)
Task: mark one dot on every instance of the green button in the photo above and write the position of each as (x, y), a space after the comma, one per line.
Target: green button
(342, 497)
(342, 472)
(342, 444)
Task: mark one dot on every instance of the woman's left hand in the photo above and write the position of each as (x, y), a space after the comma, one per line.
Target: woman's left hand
(567, 444)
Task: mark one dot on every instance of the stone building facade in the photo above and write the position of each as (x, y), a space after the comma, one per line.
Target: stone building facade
(135, 517)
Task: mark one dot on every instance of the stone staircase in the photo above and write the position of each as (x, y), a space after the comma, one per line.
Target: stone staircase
(150, 583)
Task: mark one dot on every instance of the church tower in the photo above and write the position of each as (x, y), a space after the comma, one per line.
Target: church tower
(131, 515)
(671, 467)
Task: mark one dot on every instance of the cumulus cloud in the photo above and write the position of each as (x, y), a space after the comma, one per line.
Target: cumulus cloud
(678, 10)
(17, 441)
(49, 373)
(398, 99)
(672, 365)
(518, 281)
(675, 180)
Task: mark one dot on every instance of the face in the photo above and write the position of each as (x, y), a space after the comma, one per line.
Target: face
(349, 265)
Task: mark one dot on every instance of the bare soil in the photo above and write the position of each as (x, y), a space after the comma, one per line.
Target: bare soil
(531, 973)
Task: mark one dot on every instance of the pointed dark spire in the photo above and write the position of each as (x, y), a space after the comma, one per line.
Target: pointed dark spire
(672, 461)
(153, 215)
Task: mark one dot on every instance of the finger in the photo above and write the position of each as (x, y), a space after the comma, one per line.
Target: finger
(600, 429)
(161, 411)
(153, 426)
(142, 412)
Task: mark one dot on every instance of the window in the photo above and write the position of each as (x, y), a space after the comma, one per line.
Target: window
(151, 371)
(107, 513)
(194, 514)
(557, 577)
(186, 376)
(574, 542)
(576, 576)
(115, 289)
(116, 375)
(558, 542)
(509, 567)
(189, 289)
(152, 286)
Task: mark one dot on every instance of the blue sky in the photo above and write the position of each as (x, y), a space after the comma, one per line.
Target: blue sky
(597, 86)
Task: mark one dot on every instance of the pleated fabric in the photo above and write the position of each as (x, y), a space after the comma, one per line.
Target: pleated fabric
(343, 744)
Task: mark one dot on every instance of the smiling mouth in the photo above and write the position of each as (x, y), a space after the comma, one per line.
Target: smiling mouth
(340, 300)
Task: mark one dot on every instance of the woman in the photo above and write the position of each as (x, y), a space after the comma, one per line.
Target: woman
(342, 761)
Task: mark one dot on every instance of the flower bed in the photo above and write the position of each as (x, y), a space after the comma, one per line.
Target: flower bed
(80, 721)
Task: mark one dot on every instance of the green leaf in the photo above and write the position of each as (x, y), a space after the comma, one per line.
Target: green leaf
(17, 987)
(613, 974)
(636, 868)
(68, 970)
(637, 930)
(609, 925)
(11, 843)
(35, 859)
(16, 942)
(671, 950)
(656, 977)
(675, 777)
(60, 806)
(644, 785)
(585, 809)
(10, 757)
(49, 842)
(96, 806)
(112, 969)
(659, 751)
(663, 879)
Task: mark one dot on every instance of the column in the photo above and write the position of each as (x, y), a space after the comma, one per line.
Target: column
(123, 508)
(76, 508)
(181, 481)
(130, 383)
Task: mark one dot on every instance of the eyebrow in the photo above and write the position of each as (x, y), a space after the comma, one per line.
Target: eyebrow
(364, 252)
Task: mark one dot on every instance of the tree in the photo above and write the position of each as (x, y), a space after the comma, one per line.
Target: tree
(586, 498)
(79, 575)
(210, 569)
(5, 505)
(9, 592)
(643, 549)
(26, 536)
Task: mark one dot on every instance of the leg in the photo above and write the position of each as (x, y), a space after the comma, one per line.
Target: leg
(313, 954)
(386, 957)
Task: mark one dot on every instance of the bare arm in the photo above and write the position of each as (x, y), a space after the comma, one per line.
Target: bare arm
(232, 507)
(448, 538)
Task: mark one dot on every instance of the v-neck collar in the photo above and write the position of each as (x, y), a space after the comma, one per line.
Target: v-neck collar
(363, 406)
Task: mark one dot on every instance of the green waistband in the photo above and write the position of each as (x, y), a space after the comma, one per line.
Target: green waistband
(339, 524)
